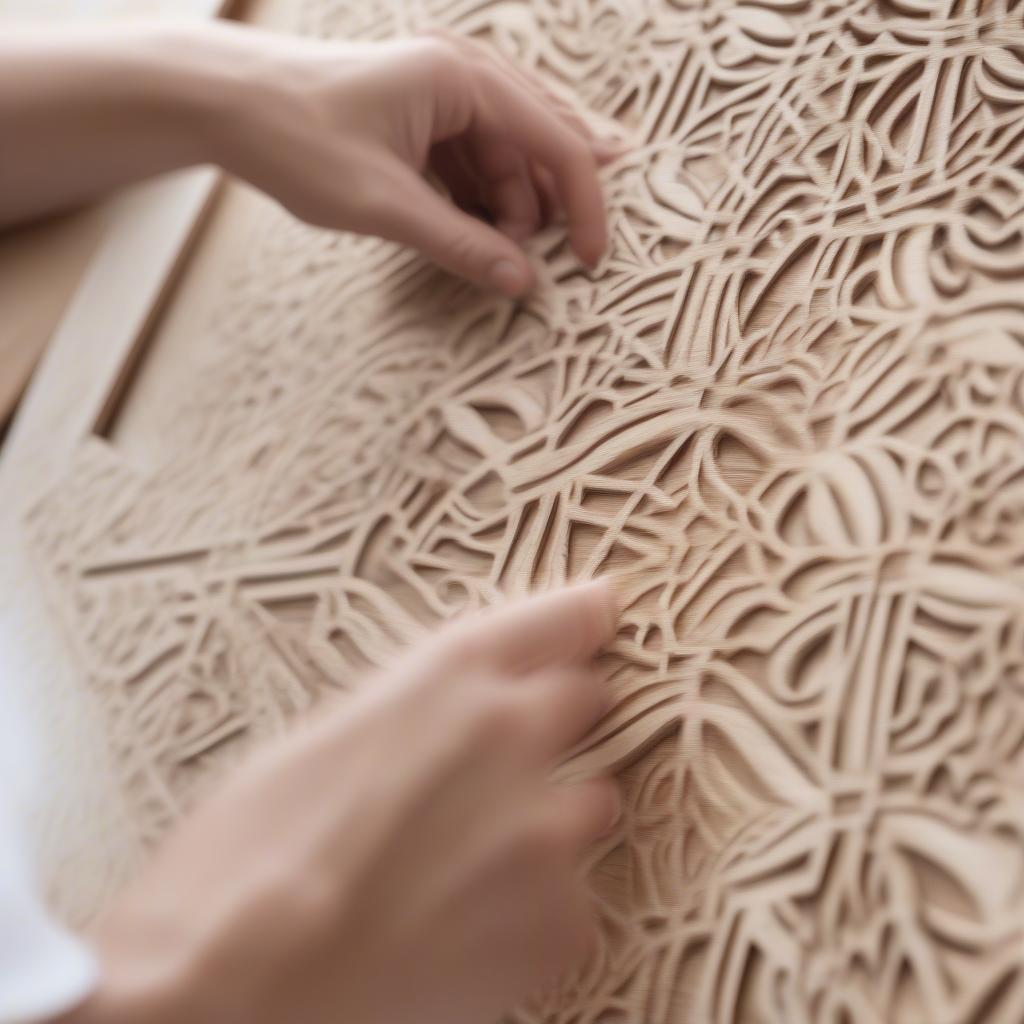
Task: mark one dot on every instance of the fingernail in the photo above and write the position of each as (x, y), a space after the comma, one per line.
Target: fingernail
(591, 249)
(518, 230)
(508, 278)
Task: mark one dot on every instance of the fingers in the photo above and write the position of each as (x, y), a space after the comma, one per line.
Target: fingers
(512, 196)
(419, 216)
(488, 56)
(519, 197)
(559, 627)
(547, 194)
(530, 156)
(563, 705)
(587, 811)
(514, 115)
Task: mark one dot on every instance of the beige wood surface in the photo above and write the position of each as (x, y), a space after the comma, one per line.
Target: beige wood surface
(40, 268)
(785, 412)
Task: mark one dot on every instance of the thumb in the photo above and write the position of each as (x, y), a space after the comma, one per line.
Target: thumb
(423, 218)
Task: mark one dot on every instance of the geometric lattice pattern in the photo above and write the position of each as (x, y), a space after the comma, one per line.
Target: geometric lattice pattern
(787, 413)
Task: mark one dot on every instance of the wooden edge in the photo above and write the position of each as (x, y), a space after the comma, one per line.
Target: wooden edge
(192, 208)
(84, 369)
(79, 378)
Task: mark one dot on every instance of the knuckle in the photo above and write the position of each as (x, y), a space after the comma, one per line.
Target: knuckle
(370, 196)
(463, 643)
(439, 53)
(491, 86)
(583, 690)
(499, 720)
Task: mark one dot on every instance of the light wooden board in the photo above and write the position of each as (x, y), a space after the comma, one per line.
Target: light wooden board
(785, 412)
(41, 266)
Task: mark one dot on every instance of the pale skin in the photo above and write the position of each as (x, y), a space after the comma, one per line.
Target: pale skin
(405, 859)
(339, 133)
(406, 855)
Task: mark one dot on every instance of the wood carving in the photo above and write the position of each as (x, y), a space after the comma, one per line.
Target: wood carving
(787, 411)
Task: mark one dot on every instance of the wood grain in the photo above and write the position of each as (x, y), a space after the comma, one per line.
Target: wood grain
(785, 412)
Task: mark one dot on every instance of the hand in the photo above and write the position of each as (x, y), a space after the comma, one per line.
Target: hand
(406, 858)
(342, 133)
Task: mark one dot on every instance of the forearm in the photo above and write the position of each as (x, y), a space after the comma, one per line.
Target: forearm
(84, 111)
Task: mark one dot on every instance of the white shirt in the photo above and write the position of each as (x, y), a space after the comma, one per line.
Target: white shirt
(44, 970)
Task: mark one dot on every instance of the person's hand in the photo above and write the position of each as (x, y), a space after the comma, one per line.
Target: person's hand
(342, 134)
(406, 859)
(345, 135)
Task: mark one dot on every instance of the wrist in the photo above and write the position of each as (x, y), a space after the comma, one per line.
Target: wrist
(194, 87)
(93, 109)
(222, 90)
(177, 91)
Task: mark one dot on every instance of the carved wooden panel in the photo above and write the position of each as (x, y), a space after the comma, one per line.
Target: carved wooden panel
(786, 412)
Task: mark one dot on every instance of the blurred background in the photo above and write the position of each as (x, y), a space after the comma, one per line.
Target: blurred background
(67, 10)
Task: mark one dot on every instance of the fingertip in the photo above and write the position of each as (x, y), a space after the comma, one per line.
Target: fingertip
(609, 149)
(589, 243)
(513, 278)
(604, 606)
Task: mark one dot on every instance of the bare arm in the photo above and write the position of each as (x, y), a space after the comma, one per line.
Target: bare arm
(86, 110)
(340, 133)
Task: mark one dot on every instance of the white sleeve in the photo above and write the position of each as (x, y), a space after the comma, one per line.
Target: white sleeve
(44, 970)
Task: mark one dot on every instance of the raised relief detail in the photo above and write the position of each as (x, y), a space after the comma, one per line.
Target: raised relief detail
(786, 412)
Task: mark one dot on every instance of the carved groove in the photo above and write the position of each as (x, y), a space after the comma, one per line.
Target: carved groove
(787, 410)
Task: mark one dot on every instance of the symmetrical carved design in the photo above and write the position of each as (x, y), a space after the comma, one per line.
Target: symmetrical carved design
(787, 411)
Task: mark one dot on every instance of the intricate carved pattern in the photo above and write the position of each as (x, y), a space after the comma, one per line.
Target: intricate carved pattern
(787, 411)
